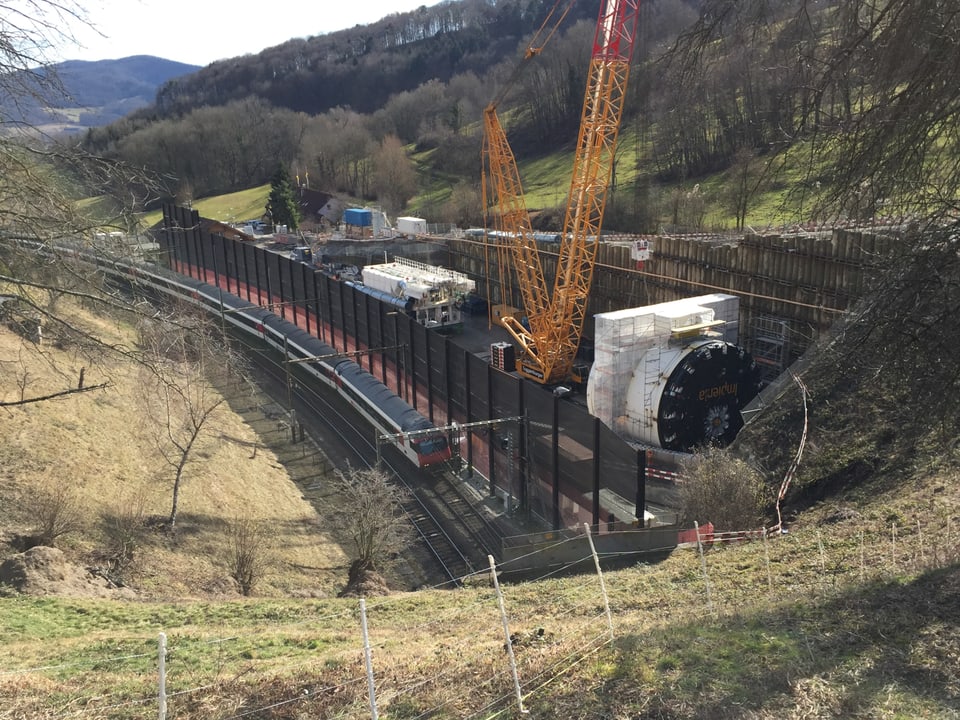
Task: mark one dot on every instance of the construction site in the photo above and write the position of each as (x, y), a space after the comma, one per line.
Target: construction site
(599, 360)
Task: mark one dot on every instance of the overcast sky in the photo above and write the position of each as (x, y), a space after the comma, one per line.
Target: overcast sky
(201, 31)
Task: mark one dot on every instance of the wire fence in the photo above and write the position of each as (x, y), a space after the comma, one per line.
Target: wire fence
(411, 654)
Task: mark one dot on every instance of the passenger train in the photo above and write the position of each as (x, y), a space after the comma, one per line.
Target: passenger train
(388, 413)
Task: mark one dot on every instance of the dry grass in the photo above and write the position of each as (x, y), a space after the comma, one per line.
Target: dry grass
(96, 444)
(832, 620)
(830, 636)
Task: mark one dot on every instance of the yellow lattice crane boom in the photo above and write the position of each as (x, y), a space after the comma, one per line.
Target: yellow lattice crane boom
(514, 221)
(549, 346)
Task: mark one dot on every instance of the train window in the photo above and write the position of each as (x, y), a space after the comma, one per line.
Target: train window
(361, 399)
(430, 445)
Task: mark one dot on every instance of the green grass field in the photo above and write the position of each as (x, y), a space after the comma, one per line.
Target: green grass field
(830, 621)
(230, 208)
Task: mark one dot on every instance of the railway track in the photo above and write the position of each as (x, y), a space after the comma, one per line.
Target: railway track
(478, 534)
(454, 536)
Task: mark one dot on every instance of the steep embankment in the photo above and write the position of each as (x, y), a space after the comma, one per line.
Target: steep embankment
(882, 388)
(94, 454)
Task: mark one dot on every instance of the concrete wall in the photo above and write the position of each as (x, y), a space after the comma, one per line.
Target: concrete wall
(539, 552)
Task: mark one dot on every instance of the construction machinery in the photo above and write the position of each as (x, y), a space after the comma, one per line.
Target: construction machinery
(549, 338)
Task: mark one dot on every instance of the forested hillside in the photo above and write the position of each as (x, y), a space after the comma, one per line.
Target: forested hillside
(736, 113)
(362, 67)
(324, 106)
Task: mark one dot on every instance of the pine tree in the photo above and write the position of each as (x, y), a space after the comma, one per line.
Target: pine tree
(282, 207)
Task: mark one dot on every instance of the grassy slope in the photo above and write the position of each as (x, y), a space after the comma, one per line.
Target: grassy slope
(546, 181)
(851, 614)
(804, 626)
(98, 443)
(230, 208)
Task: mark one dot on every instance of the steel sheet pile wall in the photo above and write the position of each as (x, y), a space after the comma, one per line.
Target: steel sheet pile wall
(805, 279)
(553, 471)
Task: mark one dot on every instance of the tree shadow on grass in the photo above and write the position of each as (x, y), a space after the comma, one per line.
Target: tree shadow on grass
(843, 656)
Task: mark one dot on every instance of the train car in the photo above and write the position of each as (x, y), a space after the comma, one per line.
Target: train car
(385, 410)
(390, 414)
(428, 448)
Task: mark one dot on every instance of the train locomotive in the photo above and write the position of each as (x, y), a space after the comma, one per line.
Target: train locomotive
(387, 412)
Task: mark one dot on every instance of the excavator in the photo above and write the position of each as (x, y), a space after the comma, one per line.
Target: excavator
(549, 339)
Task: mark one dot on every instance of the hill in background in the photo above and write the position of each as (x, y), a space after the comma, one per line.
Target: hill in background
(99, 92)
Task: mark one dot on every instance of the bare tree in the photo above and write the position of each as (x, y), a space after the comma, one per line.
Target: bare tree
(376, 522)
(55, 511)
(464, 207)
(123, 523)
(394, 179)
(407, 113)
(178, 390)
(30, 31)
(553, 84)
(744, 184)
(249, 552)
(41, 222)
(867, 88)
(868, 107)
(30, 354)
(336, 151)
(721, 489)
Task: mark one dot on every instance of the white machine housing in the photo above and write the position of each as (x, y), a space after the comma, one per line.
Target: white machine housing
(671, 375)
(435, 293)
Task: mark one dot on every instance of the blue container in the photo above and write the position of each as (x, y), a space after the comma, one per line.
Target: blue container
(358, 217)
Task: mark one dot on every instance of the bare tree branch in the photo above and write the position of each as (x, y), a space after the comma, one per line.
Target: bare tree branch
(51, 396)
